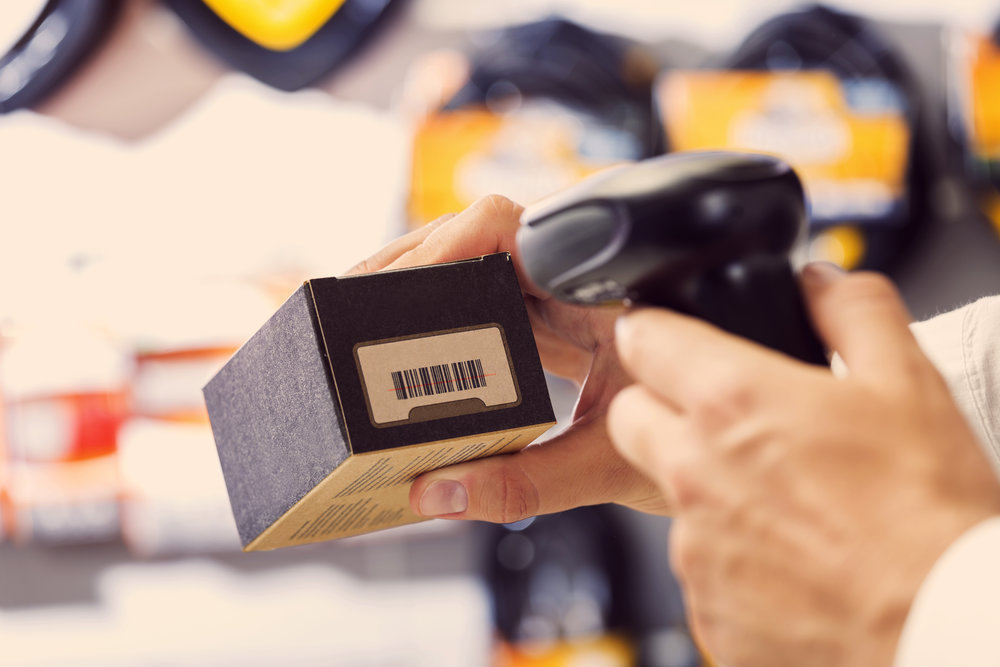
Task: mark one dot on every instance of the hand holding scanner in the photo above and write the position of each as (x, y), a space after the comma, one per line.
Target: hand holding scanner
(706, 234)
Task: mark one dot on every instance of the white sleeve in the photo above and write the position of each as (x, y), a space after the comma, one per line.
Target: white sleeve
(955, 618)
(964, 345)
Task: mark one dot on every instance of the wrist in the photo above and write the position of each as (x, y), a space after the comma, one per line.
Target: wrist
(951, 621)
(889, 599)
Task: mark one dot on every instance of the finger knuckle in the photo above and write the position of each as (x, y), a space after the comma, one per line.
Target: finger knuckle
(496, 205)
(646, 338)
(621, 426)
(512, 496)
(726, 400)
(683, 554)
(684, 485)
(635, 434)
(364, 266)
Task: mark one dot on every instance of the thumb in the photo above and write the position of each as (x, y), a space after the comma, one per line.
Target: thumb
(575, 468)
(862, 317)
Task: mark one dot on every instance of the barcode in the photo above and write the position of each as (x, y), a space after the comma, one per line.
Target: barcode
(440, 379)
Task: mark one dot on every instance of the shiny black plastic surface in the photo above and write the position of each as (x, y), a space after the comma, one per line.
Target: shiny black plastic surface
(707, 234)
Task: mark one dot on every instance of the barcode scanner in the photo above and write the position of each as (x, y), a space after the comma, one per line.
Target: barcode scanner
(707, 234)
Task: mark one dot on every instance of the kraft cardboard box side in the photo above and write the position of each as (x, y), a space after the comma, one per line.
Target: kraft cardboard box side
(357, 385)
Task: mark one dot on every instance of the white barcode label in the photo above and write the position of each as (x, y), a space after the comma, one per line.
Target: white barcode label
(402, 377)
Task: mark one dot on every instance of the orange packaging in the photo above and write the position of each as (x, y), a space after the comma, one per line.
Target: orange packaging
(462, 155)
(850, 146)
(4, 509)
(975, 73)
(65, 427)
(974, 95)
(605, 650)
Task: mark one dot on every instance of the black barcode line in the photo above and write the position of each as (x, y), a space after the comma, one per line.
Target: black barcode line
(397, 384)
(438, 379)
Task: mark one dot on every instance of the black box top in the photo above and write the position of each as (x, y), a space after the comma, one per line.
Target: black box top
(392, 305)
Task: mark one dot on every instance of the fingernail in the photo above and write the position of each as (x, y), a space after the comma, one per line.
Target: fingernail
(623, 329)
(821, 273)
(443, 497)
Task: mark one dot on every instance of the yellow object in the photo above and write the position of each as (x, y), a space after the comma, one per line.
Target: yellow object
(852, 162)
(843, 245)
(462, 155)
(992, 209)
(604, 651)
(975, 71)
(279, 25)
(982, 72)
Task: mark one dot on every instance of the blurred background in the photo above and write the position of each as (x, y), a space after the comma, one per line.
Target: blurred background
(171, 170)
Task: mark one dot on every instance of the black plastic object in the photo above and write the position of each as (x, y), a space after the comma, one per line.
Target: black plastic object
(818, 37)
(560, 577)
(294, 69)
(591, 72)
(56, 44)
(707, 234)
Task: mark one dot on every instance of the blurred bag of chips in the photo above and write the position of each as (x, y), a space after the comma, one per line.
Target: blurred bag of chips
(828, 92)
(537, 108)
(525, 154)
(974, 111)
(65, 392)
(848, 141)
(4, 501)
(606, 651)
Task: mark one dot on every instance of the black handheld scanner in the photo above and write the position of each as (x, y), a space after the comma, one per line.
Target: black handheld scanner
(707, 234)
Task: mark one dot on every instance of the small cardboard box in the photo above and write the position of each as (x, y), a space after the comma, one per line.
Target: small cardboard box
(357, 385)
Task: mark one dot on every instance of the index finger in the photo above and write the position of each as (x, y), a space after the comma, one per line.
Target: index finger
(490, 225)
(863, 317)
(690, 363)
(392, 251)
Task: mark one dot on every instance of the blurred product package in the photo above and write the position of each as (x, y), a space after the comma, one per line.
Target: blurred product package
(4, 484)
(180, 332)
(115, 365)
(74, 502)
(64, 387)
(357, 385)
(974, 111)
(535, 109)
(4, 461)
(826, 92)
(159, 516)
